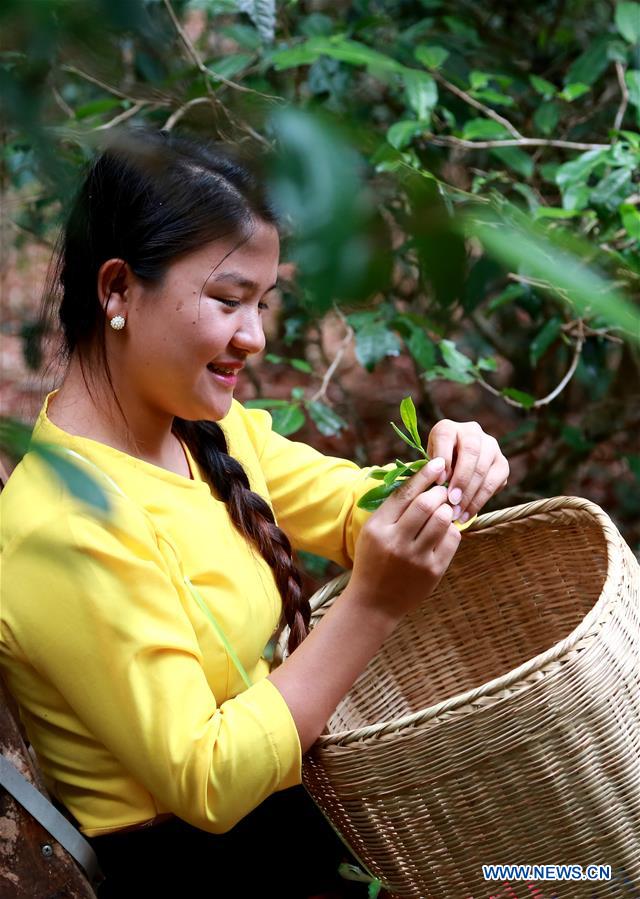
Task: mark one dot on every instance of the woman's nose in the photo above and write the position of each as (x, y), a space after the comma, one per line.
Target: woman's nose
(250, 335)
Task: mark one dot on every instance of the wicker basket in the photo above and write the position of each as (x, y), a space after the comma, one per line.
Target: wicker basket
(500, 722)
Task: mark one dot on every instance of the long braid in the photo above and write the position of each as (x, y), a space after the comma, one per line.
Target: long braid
(252, 516)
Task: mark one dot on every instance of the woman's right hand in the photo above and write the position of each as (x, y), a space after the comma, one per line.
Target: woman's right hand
(401, 554)
(406, 546)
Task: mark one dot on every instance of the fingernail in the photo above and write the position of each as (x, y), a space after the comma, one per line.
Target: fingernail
(464, 518)
(436, 464)
(455, 495)
(456, 512)
(442, 478)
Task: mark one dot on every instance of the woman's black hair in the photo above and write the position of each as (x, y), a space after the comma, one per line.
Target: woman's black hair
(148, 198)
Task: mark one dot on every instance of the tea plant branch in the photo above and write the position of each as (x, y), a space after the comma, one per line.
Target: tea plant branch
(449, 141)
(580, 339)
(620, 70)
(463, 95)
(539, 282)
(344, 343)
(197, 59)
(175, 116)
(62, 103)
(72, 70)
(123, 116)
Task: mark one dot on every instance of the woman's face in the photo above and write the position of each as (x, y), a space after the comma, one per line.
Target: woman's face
(206, 311)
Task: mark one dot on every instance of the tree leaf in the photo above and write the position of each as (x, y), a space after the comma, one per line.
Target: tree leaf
(627, 19)
(632, 79)
(516, 159)
(74, 477)
(591, 64)
(572, 91)
(453, 357)
(483, 129)
(421, 348)
(373, 342)
(544, 338)
(546, 117)
(525, 399)
(630, 219)
(287, 419)
(263, 15)
(421, 91)
(542, 86)
(325, 419)
(431, 56)
(259, 403)
(402, 133)
(579, 169)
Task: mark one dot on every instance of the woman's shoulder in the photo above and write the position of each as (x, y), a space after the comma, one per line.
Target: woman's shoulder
(39, 499)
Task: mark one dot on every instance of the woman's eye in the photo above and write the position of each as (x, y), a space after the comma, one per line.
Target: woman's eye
(227, 302)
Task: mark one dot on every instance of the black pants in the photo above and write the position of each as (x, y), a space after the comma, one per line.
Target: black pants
(284, 849)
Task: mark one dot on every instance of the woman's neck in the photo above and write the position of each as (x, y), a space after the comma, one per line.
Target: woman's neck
(74, 410)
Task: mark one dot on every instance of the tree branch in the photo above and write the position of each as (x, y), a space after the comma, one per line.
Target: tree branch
(344, 343)
(175, 116)
(620, 70)
(463, 95)
(197, 59)
(554, 393)
(123, 116)
(442, 141)
(106, 87)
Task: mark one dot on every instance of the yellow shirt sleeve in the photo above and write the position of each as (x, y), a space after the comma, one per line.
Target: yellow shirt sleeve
(103, 622)
(314, 497)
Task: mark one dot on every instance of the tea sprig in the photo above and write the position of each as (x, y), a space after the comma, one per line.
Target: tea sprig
(395, 477)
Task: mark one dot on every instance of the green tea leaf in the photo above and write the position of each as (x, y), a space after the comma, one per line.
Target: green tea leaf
(373, 499)
(410, 419)
(405, 438)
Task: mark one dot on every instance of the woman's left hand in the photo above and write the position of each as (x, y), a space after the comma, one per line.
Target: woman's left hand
(475, 467)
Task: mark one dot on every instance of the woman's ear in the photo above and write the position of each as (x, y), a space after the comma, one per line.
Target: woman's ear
(114, 280)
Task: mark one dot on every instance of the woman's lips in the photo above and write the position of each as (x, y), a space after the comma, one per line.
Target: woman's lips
(227, 380)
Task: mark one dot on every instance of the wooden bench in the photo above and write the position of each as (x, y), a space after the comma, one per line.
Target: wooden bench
(33, 864)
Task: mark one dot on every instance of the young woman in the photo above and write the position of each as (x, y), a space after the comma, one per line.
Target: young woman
(134, 643)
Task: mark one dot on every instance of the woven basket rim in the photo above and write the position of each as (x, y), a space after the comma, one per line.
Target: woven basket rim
(516, 676)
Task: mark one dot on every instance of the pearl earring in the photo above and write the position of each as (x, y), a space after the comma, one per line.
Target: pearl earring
(117, 322)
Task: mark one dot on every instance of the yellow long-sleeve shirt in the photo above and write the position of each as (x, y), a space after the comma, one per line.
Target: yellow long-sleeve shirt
(126, 691)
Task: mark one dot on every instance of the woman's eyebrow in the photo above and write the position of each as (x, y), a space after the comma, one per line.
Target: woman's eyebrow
(240, 281)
